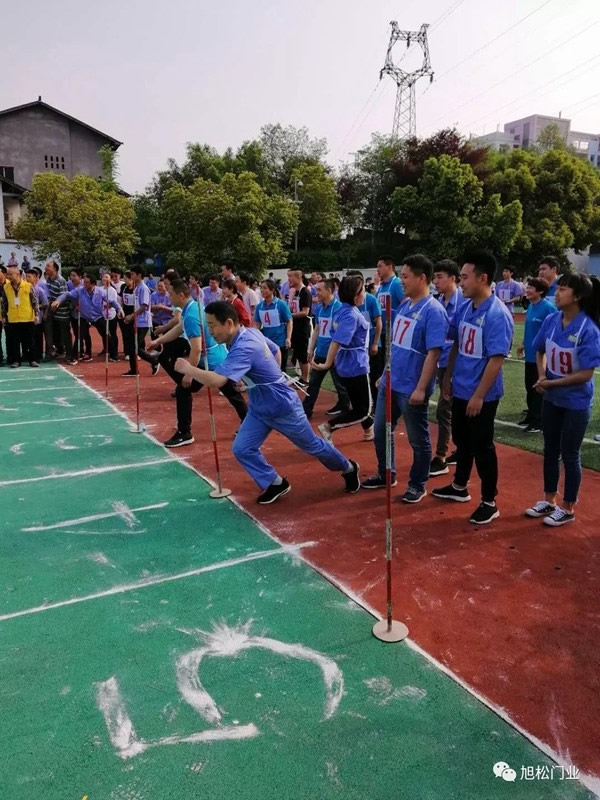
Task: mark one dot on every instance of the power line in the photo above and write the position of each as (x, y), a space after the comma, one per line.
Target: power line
(443, 17)
(368, 100)
(591, 97)
(548, 52)
(487, 44)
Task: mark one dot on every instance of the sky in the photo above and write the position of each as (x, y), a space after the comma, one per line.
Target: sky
(157, 74)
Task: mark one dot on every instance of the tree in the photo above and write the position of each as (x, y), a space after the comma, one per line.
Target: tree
(285, 149)
(550, 138)
(80, 219)
(233, 219)
(560, 196)
(319, 212)
(446, 211)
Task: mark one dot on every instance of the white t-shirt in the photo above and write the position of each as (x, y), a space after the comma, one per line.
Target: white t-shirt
(250, 299)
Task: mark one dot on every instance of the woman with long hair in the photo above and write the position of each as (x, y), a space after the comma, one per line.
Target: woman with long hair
(273, 317)
(568, 351)
(232, 295)
(349, 352)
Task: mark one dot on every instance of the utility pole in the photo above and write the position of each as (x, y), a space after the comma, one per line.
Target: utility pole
(405, 110)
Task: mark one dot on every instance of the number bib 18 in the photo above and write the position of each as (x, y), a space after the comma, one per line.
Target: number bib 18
(470, 340)
(561, 360)
(403, 332)
(270, 318)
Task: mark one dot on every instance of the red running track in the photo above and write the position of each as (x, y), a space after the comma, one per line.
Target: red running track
(512, 608)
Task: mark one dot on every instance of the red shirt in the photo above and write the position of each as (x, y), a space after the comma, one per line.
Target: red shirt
(242, 312)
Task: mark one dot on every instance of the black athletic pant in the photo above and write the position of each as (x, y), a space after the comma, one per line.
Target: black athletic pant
(180, 348)
(61, 336)
(359, 393)
(111, 344)
(474, 440)
(534, 399)
(284, 358)
(1, 351)
(83, 340)
(19, 341)
(37, 344)
(376, 367)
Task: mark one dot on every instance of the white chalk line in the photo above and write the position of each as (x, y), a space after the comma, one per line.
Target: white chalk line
(156, 581)
(52, 420)
(43, 389)
(34, 377)
(93, 518)
(591, 782)
(81, 473)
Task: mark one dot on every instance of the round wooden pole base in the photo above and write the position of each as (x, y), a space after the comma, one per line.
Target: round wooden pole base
(396, 633)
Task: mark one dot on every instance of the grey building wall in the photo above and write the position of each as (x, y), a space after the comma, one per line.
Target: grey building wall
(39, 140)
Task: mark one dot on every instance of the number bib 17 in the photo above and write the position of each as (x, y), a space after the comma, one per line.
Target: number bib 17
(270, 318)
(561, 360)
(470, 340)
(403, 332)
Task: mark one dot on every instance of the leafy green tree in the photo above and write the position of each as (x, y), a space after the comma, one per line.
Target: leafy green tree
(285, 149)
(319, 212)
(446, 211)
(207, 222)
(81, 219)
(550, 138)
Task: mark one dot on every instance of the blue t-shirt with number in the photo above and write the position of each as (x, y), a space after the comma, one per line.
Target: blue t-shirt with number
(324, 318)
(393, 287)
(273, 318)
(370, 310)
(350, 330)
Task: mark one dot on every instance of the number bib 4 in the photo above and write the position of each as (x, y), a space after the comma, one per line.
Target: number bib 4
(470, 340)
(561, 360)
(325, 328)
(403, 332)
(270, 318)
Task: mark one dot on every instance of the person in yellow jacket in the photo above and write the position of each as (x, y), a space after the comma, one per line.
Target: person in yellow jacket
(19, 312)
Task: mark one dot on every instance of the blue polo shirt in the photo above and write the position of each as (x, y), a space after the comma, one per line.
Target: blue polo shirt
(415, 330)
(393, 287)
(190, 319)
(481, 333)
(370, 310)
(350, 330)
(324, 316)
(534, 316)
(142, 298)
(569, 350)
(273, 318)
(451, 308)
(251, 359)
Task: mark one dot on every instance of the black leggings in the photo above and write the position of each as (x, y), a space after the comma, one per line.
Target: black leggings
(359, 393)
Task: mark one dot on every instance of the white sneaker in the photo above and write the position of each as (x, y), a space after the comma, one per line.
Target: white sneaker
(540, 509)
(559, 517)
(369, 434)
(597, 437)
(325, 431)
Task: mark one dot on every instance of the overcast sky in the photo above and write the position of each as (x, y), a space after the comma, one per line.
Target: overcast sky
(159, 73)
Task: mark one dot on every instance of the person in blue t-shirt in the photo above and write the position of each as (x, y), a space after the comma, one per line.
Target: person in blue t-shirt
(324, 313)
(253, 360)
(537, 310)
(508, 289)
(349, 352)
(547, 270)
(190, 348)
(371, 311)
(274, 318)
(389, 284)
(567, 351)
(445, 280)
(482, 331)
(419, 330)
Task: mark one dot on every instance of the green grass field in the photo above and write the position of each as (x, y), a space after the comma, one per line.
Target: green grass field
(513, 403)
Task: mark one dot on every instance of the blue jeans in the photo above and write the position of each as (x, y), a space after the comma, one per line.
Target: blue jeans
(564, 430)
(417, 429)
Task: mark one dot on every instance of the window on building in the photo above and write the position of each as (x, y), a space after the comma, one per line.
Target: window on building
(45, 162)
(8, 173)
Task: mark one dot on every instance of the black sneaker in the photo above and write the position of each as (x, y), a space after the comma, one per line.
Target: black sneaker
(484, 513)
(438, 466)
(452, 458)
(450, 492)
(73, 362)
(129, 374)
(523, 423)
(179, 440)
(155, 368)
(273, 492)
(559, 517)
(352, 479)
(33, 364)
(337, 409)
(412, 496)
(377, 482)
(541, 509)
(532, 429)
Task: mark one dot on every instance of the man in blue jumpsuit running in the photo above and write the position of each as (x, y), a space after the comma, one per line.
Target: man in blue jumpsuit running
(274, 405)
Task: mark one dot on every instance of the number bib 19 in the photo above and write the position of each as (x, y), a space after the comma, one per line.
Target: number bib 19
(270, 318)
(561, 360)
(470, 340)
(325, 328)
(403, 332)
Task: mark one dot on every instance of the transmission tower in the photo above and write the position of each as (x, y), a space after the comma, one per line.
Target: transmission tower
(405, 111)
